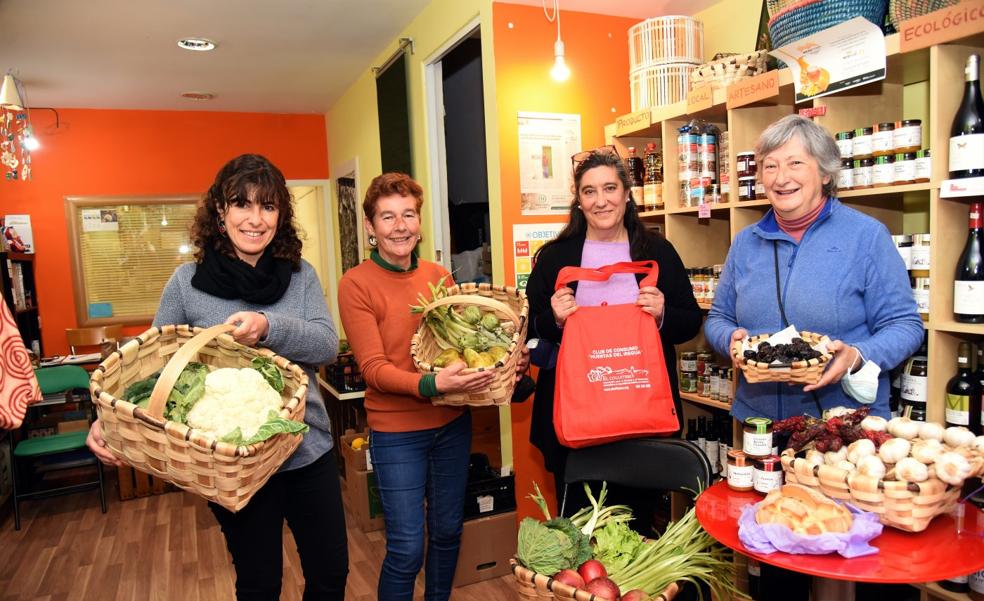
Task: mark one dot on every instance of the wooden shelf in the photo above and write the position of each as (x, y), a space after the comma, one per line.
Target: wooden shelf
(703, 400)
(958, 327)
(341, 396)
(922, 187)
(935, 591)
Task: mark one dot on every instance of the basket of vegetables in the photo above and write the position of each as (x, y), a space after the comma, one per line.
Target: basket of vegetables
(194, 407)
(482, 325)
(799, 359)
(906, 471)
(595, 556)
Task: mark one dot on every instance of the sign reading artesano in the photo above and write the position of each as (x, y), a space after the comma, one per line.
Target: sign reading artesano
(944, 25)
(753, 89)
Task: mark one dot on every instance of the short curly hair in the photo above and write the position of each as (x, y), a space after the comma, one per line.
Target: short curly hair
(389, 184)
(234, 181)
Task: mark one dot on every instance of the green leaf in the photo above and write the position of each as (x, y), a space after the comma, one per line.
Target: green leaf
(273, 426)
(268, 369)
(234, 437)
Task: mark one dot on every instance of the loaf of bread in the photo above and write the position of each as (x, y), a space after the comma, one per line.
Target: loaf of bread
(803, 510)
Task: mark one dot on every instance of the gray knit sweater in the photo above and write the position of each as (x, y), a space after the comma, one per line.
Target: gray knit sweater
(301, 329)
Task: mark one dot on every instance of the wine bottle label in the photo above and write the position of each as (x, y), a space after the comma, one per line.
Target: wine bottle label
(920, 257)
(968, 297)
(922, 300)
(914, 388)
(637, 195)
(957, 409)
(967, 152)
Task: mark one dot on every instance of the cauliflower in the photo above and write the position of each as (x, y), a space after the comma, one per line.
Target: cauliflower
(234, 398)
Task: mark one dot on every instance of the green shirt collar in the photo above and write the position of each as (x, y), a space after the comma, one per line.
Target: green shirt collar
(378, 260)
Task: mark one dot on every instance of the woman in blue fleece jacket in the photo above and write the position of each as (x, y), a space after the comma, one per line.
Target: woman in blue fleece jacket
(838, 270)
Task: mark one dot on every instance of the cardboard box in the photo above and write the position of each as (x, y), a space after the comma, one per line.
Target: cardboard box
(362, 498)
(486, 546)
(355, 461)
(75, 425)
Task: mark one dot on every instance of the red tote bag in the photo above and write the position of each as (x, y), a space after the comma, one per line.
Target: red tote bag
(611, 380)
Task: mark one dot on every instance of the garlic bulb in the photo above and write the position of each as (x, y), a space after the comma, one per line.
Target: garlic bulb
(910, 470)
(931, 431)
(952, 468)
(926, 451)
(836, 412)
(894, 449)
(814, 457)
(871, 465)
(832, 457)
(845, 465)
(979, 443)
(874, 423)
(858, 449)
(903, 427)
(958, 436)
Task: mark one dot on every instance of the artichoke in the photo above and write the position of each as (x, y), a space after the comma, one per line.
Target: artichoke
(472, 314)
(490, 322)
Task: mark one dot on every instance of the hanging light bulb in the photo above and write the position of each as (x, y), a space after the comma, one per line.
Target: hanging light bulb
(30, 142)
(560, 70)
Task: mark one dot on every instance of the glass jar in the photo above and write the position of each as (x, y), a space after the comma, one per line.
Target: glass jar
(740, 471)
(704, 388)
(862, 173)
(904, 168)
(924, 166)
(688, 361)
(903, 244)
(746, 188)
(914, 379)
(883, 171)
(920, 292)
(907, 136)
(757, 436)
(704, 358)
(845, 177)
(715, 380)
(861, 143)
(766, 473)
(745, 164)
(920, 255)
(882, 141)
(844, 143)
(688, 381)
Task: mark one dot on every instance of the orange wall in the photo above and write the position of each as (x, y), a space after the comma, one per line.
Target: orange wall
(597, 53)
(113, 152)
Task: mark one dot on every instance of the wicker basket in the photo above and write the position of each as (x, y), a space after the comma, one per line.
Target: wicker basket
(667, 39)
(795, 21)
(798, 372)
(907, 506)
(191, 459)
(508, 303)
(902, 10)
(537, 586)
(729, 69)
(660, 85)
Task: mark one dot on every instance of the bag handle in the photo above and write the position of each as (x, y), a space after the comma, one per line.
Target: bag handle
(572, 274)
(177, 363)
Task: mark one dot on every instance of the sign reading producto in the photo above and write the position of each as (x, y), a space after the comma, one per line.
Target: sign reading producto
(944, 25)
(633, 122)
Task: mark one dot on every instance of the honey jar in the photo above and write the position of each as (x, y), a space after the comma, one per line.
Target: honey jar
(907, 136)
(861, 143)
(844, 144)
(883, 171)
(924, 166)
(882, 139)
(904, 169)
(740, 471)
(862, 173)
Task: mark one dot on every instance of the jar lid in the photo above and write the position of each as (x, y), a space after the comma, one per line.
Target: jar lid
(845, 135)
(866, 162)
(862, 131)
(737, 457)
(923, 154)
(760, 424)
(745, 153)
(768, 463)
(908, 122)
(846, 163)
(884, 160)
(746, 178)
(887, 126)
(906, 156)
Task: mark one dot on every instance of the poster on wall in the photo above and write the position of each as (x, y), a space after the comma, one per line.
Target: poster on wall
(100, 220)
(17, 234)
(546, 143)
(845, 56)
(527, 239)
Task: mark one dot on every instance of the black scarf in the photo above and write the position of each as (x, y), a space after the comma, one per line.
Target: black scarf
(228, 278)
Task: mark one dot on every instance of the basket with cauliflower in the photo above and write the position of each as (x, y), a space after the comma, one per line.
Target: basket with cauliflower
(198, 409)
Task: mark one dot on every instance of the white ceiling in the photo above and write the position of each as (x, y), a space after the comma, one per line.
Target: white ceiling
(286, 56)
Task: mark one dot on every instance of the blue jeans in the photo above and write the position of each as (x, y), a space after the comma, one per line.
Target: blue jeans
(412, 466)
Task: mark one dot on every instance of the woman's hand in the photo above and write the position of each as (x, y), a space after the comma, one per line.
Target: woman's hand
(652, 301)
(97, 444)
(523, 362)
(450, 379)
(739, 334)
(562, 304)
(251, 327)
(845, 358)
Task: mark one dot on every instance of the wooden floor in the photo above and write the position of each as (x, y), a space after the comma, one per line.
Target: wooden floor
(162, 547)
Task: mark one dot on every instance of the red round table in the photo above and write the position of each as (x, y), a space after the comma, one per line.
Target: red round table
(940, 551)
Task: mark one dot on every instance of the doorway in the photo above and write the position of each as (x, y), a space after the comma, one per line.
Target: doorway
(462, 231)
(312, 218)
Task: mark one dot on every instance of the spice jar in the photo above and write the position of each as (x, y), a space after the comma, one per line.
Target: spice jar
(715, 383)
(882, 142)
(704, 388)
(903, 244)
(766, 473)
(920, 292)
(757, 436)
(861, 143)
(844, 144)
(862, 173)
(920, 255)
(907, 136)
(883, 171)
(845, 177)
(924, 166)
(904, 168)
(740, 476)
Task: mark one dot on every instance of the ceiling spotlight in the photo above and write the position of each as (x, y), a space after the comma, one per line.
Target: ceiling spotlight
(198, 95)
(196, 44)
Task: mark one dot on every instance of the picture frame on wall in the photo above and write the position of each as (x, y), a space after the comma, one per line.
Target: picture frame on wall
(763, 41)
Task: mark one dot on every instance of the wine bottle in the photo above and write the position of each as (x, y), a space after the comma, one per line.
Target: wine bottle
(962, 393)
(967, 131)
(702, 433)
(968, 282)
(633, 164)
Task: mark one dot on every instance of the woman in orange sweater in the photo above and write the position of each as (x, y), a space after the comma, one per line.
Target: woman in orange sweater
(419, 450)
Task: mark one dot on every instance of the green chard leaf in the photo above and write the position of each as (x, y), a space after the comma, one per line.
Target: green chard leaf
(268, 369)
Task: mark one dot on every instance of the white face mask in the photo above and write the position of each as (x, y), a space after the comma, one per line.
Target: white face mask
(863, 384)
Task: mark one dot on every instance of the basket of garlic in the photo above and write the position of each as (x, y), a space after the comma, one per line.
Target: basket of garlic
(906, 471)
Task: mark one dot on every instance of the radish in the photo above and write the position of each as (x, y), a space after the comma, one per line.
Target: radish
(603, 587)
(592, 569)
(636, 594)
(570, 578)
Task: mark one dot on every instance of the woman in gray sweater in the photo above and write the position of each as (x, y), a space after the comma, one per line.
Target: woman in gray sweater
(248, 272)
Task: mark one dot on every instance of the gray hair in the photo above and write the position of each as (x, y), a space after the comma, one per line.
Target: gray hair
(814, 138)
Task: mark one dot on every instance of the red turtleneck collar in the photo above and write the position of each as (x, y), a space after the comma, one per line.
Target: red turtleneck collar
(797, 227)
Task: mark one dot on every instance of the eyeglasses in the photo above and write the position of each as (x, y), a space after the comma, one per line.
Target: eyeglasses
(580, 157)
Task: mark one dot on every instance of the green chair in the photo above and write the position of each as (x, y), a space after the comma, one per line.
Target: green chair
(68, 449)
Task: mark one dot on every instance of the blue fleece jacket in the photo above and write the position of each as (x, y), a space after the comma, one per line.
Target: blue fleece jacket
(844, 279)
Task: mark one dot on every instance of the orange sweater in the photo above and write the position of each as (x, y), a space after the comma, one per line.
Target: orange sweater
(374, 304)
